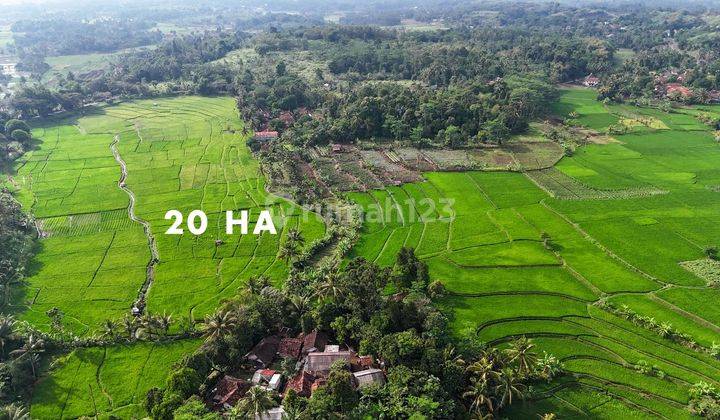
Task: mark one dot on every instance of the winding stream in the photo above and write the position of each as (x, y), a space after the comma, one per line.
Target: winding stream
(139, 305)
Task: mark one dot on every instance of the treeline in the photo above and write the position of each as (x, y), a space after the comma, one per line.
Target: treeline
(19, 352)
(51, 37)
(456, 116)
(484, 53)
(181, 65)
(430, 374)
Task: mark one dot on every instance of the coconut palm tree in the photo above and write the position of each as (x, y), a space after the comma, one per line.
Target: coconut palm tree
(296, 237)
(520, 351)
(329, 287)
(130, 324)
(288, 252)
(256, 401)
(664, 329)
(164, 322)
(291, 413)
(482, 370)
(14, 412)
(30, 349)
(146, 326)
(548, 416)
(478, 394)
(7, 332)
(256, 283)
(219, 324)
(508, 386)
(235, 413)
(109, 329)
(299, 304)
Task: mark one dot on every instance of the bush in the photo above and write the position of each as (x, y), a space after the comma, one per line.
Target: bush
(184, 382)
(194, 409)
(20, 136)
(164, 410)
(153, 397)
(12, 125)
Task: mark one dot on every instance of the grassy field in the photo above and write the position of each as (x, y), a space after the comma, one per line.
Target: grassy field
(183, 153)
(621, 217)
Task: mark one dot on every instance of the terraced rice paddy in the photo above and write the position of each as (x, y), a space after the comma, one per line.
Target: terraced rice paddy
(621, 217)
(184, 153)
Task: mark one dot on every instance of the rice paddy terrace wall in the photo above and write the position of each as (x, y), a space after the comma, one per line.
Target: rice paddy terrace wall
(632, 211)
(182, 153)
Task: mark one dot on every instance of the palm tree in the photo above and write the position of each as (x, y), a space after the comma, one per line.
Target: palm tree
(164, 322)
(256, 401)
(30, 348)
(219, 324)
(288, 252)
(479, 395)
(548, 416)
(129, 323)
(482, 369)
(147, 325)
(109, 329)
(7, 332)
(520, 352)
(329, 287)
(256, 283)
(508, 386)
(295, 237)
(664, 329)
(235, 413)
(14, 412)
(299, 304)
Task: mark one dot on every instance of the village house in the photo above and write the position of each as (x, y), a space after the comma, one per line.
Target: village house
(368, 377)
(301, 383)
(677, 89)
(314, 342)
(319, 363)
(591, 81)
(263, 354)
(265, 135)
(290, 348)
(268, 378)
(228, 392)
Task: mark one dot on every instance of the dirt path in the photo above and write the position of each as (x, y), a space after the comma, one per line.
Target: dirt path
(155, 255)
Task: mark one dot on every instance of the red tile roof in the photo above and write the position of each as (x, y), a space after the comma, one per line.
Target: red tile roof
(290, 347)
(266, 134)
(677, 87)
(264, 352)
(315, 341)
(301, 383)
(229, 390)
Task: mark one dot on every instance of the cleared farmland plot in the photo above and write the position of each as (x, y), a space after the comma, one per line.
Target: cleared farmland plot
(183, 153)
(621, 218)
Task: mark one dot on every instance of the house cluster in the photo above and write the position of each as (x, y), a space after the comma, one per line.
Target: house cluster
(287, 118)
(314, 355)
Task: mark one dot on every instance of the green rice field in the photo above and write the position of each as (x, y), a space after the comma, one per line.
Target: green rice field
(183, 153)
(621, 217)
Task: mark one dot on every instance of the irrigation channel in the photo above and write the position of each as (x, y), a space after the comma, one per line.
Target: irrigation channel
(139, 305)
